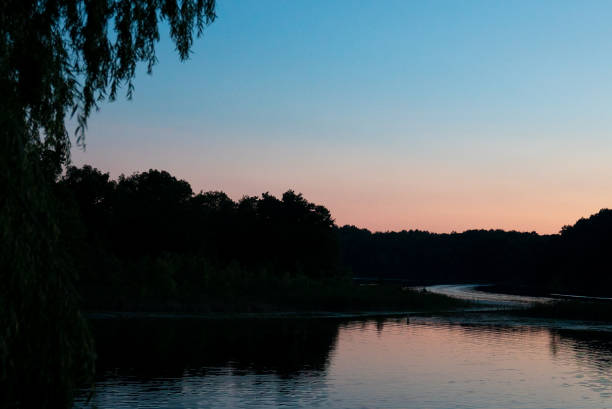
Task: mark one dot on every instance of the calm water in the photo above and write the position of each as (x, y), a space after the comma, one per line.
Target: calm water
(427, 362)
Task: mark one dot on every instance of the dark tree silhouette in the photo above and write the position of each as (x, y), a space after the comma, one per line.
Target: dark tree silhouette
(422, 257)
(157, 237)
(150, 218)
(57, 59)
(582, 255)
(576, 261)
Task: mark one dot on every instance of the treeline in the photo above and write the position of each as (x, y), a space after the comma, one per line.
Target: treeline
(148, 239)
(427, 258)
(575, 261)
(581, 256)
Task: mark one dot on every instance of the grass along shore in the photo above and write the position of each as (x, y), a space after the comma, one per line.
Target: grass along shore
(272, 295)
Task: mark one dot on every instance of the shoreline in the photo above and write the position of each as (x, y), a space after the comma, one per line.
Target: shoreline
(468, 316)
(99, 315)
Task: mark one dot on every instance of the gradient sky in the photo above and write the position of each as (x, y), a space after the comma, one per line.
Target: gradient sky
(436, 115)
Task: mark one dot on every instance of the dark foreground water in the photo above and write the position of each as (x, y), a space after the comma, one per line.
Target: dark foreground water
(426, 362)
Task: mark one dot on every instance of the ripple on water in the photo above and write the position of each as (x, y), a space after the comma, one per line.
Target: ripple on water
(429, 362)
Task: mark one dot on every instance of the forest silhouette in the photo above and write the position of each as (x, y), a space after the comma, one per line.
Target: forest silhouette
(147, 242)
(283, 346)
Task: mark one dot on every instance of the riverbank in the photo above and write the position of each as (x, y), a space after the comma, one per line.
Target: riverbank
(547, 307)
(556, 306)
(288, 295)
(586, 310)
(514, 289)
(102, 315)
(474, 293)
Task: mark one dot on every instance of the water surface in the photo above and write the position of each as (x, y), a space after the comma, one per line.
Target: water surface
(425, 362)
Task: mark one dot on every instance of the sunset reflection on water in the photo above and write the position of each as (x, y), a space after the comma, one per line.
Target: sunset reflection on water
(398, 363)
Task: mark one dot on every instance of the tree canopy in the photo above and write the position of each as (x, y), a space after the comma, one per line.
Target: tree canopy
(59, 59)
(63, 57)
(151, 215)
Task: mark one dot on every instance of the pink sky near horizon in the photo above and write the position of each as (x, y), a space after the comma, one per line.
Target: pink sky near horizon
(383, 189)
(441, 116)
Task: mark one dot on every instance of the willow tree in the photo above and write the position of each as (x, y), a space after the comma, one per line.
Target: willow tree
(59, 59)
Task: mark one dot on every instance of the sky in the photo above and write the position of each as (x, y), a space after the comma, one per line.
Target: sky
(433, 115)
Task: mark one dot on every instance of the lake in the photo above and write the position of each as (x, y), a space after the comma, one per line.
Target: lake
(464, 360)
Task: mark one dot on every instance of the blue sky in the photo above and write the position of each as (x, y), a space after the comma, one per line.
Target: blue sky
(438, 115)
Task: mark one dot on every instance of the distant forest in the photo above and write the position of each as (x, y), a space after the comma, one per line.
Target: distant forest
(575, 261)
(148, 236)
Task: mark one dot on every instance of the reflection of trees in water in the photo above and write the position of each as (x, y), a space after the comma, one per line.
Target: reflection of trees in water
(591, 351)
(176, 347)
(379, 324)
(507, 331)
(173, 347)
(591, 348)
(493, 332)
